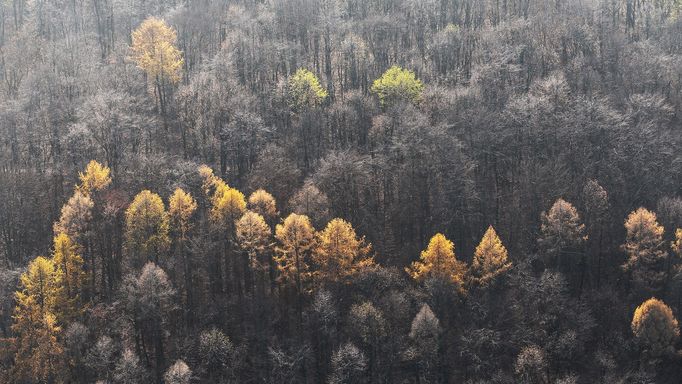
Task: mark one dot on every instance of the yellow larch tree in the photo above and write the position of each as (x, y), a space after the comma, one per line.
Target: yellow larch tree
(228, 205)
(295, 242)
(69, 279)
(655, 328)
(39, 355)
(181, 208)
(340, 252)
(490, 258)
(296, 239)
(644, 247)
(264, 204)
(146, 233)
(438, 260)
(96, 177)
(253, 236)
(154, 51)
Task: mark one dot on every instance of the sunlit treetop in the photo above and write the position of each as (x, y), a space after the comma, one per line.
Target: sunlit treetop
(228, 205)
(655, 327)
(253, 235)
(95, 178)
(340, 252)
(438, 260)
(154, 50)
(146, 227)
(263, 203)
(296, 238)
(181, 207)
(75, 215)
(645, 248)
(397, 84)
(490, 258)
(211, 182)
(305, 91)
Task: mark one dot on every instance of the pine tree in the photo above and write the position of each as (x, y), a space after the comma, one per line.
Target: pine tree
(438, 260)
(490, 258)
(644, 247)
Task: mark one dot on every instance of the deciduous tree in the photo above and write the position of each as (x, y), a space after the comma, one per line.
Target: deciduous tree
(644, 247)
(655, 328)
(397, 84)
(340, 252)
(69, 279)
(438, 260)
(490, 259)
(146, 233)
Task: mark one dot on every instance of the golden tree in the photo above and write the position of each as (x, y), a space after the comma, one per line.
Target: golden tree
(95, 178)
(296, 239)
(340, 252)
(438, 260)
(39, 355)
(644, 247)
(69, 279)
(490, 258)
(253, 235)
(210, 182)
(154, 50)
(146, 233)
(228, 205)
(264, 204)
(181, 207)
(655, 328)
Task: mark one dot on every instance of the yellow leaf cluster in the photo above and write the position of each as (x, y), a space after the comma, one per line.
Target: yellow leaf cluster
(95, 178)
(253, 234)
(438, 260)
(490, 258)
(154, 50)
(339, 251)
(263, 203)
(146, 228)
(296, 239)
(655, 327)
(181, 207)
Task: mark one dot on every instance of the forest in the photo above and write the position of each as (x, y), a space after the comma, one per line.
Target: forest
(340, 191)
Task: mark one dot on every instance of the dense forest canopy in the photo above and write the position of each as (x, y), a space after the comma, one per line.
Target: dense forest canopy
(340, 191)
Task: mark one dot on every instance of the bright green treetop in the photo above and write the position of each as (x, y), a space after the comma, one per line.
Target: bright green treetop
(397, 84)
(305, 90)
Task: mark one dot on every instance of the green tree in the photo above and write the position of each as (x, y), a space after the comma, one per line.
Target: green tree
(397, 84)
(304, 90)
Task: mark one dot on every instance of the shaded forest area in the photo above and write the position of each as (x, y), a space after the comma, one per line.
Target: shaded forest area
(340, 191)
